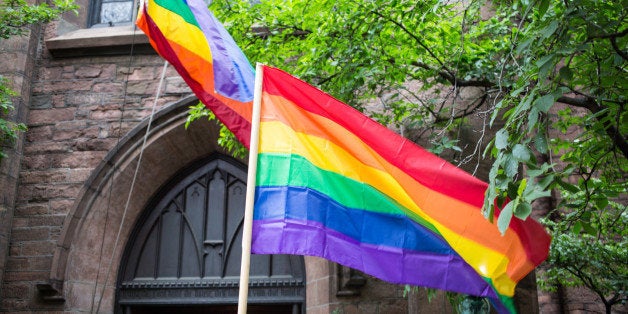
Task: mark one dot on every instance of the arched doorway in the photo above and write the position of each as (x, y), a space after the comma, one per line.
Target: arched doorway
(183, 255)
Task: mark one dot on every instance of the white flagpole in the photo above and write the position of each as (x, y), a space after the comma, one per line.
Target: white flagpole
(247, 228)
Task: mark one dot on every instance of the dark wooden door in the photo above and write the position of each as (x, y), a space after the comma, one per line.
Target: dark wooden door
(185, 250)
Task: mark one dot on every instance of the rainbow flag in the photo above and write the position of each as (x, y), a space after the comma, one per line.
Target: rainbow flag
(187, 34)
(335, 184)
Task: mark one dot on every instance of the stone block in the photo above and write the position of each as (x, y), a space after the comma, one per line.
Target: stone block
(16, 263)
(15, 290)
(60, 206)
(47, 148)
(31, 193)
(369, 307)
(65, 86)
(95, 144)
(108, 87)
(14, 304)
(176, 85)
(20, 222)
(67, 134)
(106, 115)
(11, 62)
(79, 159)
(36, 162)
(77, 298)
(9, 168)
(39, 133)
(15, 43)
(30, 234)
(50, 73)
(393, 306)
(136, 74)
(63, 191)
(82, 99)
(349, 309)
(39, 263)
(44, 221)
(50, 116)
(58, 101)
(38, 248)
(17, 276)
(79, 175)
(87, 71)
(41, 102)
(30, 209)
(141, 88)
(71, 125)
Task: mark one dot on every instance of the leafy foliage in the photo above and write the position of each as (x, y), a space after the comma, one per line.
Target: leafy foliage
(8, 129)
(547, 77)
(590, 250)
(15, 17)
(226, 139)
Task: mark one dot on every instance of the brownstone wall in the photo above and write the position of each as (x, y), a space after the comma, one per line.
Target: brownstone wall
(16, 65)
(77, 110)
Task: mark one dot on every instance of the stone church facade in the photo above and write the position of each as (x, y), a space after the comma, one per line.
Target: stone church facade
(108, 204)
(100, 202)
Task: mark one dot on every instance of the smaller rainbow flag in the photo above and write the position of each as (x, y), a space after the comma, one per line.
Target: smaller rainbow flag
(186, 34)
(335, 184)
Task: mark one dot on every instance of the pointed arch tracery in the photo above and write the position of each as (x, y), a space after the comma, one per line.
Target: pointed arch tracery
(185, 248)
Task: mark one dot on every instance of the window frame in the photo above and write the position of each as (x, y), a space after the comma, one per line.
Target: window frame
(95, 9)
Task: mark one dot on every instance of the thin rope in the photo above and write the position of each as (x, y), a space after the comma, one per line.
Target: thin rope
(114, 167)
(137, 167)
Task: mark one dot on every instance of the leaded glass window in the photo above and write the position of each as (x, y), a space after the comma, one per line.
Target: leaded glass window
(112, 12)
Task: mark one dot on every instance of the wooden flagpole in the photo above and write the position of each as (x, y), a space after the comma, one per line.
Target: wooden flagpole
(247, 228)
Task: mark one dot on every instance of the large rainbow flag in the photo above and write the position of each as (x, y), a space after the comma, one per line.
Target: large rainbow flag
(186, 33)
(335, 184)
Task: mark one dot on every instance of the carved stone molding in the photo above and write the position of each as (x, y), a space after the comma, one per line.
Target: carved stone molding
(51, 291)
(350, 282)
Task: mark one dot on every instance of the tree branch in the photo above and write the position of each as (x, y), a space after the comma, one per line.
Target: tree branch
(415, 37)
(452, 79)
(480, 101)
(613, 39)
(611, 35)
(592, 105)
(620, 52)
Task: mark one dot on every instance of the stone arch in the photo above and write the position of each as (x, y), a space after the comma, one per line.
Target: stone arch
(86, 258)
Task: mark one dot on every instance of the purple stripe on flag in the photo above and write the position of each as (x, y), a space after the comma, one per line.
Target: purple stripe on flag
(234, 76)
(447, 272)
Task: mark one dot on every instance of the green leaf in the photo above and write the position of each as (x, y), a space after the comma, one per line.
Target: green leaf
(533, 193)
(601, 202)
(546, 181)
(588, 228)
(524, 45)
(544, 60)
(544, 103)
(543, 8)
(511, 166)
(503, 221)
(568, 186)
(533, 118)
(521, 153)
(540, 143)
(501, 139)
(522, 187)
(565, 73)
(545, 65)
(523, 210)
(549, 29)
